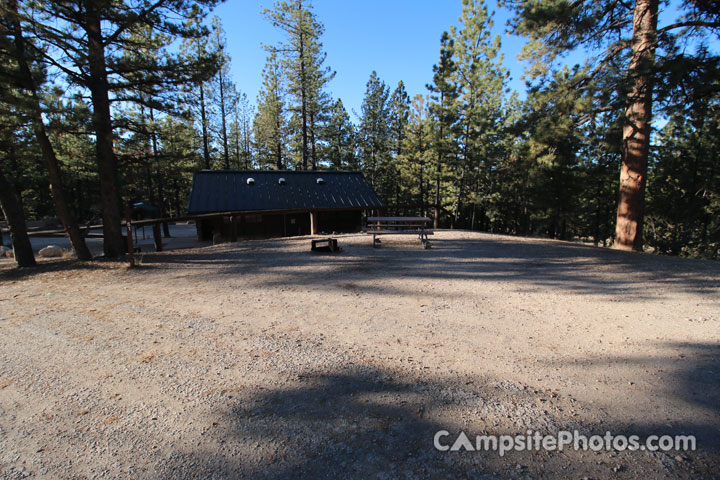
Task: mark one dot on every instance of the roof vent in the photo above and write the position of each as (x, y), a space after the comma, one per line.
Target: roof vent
(281, 181)
(320, 181)
(251, 181)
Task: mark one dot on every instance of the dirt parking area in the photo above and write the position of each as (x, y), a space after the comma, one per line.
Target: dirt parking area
(260, 359)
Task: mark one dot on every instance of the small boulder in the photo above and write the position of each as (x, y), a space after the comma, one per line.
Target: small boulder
(50, 251)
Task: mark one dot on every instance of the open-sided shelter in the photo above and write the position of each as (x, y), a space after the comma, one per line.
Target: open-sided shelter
(232, 204)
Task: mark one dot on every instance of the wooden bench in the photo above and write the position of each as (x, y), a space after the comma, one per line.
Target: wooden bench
(419, 226)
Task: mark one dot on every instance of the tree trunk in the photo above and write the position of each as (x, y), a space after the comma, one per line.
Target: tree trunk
(48, 152)
(437, 198)
(421, 181)
(278, 155)
(303, 99)
(636, 132)
(159, 176)
(313, 159)
(113, 245)
(458, 205)
(236, 142)
(203, 120)
(226, 153)
(10, 204)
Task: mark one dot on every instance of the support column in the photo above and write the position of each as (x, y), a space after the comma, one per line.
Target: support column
(313, 223)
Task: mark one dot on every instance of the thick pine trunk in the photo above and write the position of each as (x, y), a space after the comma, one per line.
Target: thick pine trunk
(10, 204)
(113, 246)
(636, 132)
(48, 152)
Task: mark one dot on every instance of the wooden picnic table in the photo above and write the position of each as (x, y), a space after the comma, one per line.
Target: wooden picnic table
(419, 226)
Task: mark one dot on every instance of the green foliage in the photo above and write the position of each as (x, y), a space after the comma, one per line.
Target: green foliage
(545, 166)
(270, 127)
(684, 186)
(374, 140)
(339, 133)
(303, 63)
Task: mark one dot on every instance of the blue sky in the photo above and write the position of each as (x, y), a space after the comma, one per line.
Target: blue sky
(400, 39)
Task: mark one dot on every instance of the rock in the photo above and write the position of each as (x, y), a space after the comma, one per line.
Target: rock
(50, 251)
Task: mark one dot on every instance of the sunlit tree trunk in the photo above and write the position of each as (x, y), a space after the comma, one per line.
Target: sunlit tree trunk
(636, 132)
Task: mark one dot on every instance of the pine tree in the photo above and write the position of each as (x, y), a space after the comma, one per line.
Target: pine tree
(223, 92)
(339, 134)
(554, 144)
(612, 34)
(241, 132)
(270, 125)
(12, 123)
(399, 110)
(92, 37)
(198, 91)
(19, 55)
(12, 211)
(683, 208)
(481, 82)
(307, 76)
(375, 136)
(444, 112)
(416, 154)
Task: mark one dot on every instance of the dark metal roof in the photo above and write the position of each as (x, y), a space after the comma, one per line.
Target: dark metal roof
(228, 191)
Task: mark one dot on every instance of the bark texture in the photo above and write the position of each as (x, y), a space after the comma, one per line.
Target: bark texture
(102, 124)
(15, 216)
(636, 132)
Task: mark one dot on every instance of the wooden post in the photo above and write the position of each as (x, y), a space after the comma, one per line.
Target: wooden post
(313, 223)
(128, 227)
(436, 216)
(157, 235)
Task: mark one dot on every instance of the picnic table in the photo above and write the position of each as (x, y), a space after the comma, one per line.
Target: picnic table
(419, 226)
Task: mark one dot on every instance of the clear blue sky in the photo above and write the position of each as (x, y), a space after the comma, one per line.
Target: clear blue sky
(400, 39)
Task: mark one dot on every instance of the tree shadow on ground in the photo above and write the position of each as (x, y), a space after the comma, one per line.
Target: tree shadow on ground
(369, 422)
(13, 273)
(531, 263)
(687, 376)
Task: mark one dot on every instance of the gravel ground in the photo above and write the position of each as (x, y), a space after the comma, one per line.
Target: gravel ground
(260, 359)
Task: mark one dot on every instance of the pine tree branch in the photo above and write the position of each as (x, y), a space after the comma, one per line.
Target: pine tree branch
(128, 23)
(693, 23)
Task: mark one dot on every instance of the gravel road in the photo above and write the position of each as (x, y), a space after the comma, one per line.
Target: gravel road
(260, 359)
